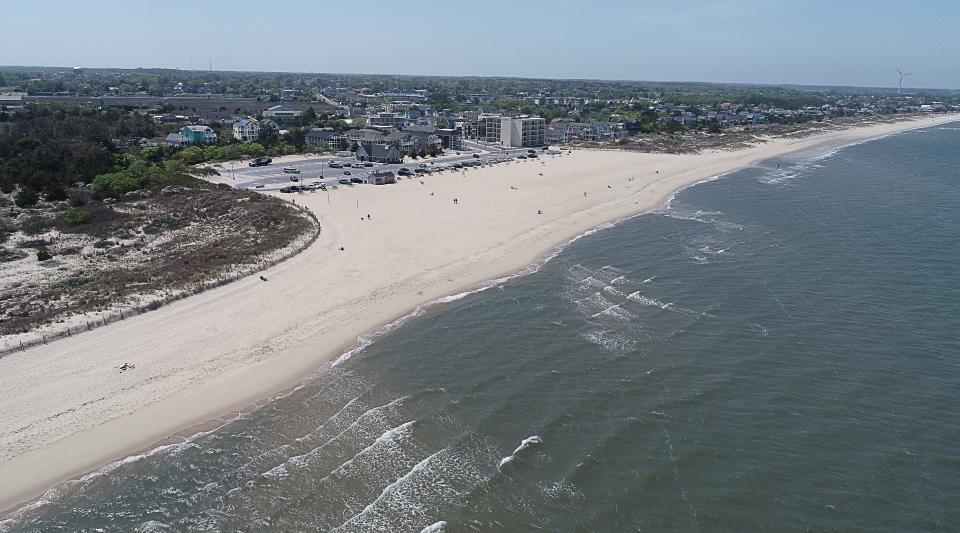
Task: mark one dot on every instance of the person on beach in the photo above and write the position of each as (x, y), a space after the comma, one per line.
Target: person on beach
(263, 278)
(341, 248)
(539, 212)
(455, 201)
(368, 216)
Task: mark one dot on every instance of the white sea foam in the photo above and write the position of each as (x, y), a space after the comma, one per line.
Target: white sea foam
(388, 437)
(532, 440)
(374, 419)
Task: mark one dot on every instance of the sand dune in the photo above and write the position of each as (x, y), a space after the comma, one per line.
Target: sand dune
(66, 410)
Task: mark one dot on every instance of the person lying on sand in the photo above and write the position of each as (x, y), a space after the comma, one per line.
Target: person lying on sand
(126, 366)
(263, 278)
(341, 248)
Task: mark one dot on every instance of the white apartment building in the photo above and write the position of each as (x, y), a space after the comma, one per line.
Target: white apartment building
(246, 129)
(522, 131)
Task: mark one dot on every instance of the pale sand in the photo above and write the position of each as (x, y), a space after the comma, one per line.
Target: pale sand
(65, 410)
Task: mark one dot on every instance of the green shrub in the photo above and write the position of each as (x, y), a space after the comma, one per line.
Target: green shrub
(43, 255)
(77, 216)
(57, 194)
(26, 198)
(139, 175)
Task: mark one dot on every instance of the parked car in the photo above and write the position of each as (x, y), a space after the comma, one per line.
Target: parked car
(358, 165)
(291, 170)
(343, 181)
(289, 189)
(346, 172)
(476, 156)
(404, 171)
(334, 164)
(260, 186)
(532, 156)
(294, 178)
(368, 164)
(260, 161)
(356, 180)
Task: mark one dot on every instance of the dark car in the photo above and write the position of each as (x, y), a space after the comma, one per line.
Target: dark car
(356, 180)
(260, 161)
(346, 172)
(521, 157)
(343, 181)
(289, 189)
(404, 171)
(532, 156)
(368, 164)
(476, 156)
(294, 178)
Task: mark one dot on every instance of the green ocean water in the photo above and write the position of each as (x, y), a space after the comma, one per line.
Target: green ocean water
(774, 350)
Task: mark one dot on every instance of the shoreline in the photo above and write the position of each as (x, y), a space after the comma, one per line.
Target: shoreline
(253, 380)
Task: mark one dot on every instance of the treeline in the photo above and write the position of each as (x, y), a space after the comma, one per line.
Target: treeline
(773, 98)
(46, 149)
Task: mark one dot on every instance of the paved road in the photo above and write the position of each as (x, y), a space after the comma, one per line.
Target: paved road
(317, 169)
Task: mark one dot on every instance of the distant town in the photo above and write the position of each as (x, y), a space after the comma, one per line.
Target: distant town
(388, 118)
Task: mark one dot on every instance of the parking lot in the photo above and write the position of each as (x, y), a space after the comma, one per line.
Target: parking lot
(317, 171)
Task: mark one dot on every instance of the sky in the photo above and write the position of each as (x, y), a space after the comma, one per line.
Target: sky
(811, 42)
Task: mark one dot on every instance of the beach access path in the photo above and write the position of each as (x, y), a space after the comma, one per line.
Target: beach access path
(67, 410)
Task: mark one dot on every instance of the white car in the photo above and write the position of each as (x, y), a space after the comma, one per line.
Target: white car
(291, 170)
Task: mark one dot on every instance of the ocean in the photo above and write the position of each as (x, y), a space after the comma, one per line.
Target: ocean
(776, 349)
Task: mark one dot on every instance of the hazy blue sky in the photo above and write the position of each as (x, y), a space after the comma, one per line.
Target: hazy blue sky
(838, 42)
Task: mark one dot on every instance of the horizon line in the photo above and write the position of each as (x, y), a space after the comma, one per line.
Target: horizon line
(508, 77)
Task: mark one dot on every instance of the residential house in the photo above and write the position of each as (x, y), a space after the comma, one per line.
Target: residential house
(380, 153)
(246, 129)
(318, 136)
(199, 134)
(175, 140)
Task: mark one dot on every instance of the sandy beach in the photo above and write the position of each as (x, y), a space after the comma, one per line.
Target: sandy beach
(66, 409)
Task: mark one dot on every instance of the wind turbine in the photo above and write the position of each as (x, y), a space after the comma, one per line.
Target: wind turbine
(900, 82)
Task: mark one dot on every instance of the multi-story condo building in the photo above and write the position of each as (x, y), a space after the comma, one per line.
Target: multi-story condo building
(393, 120)
(488, 128)
(522, 131)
